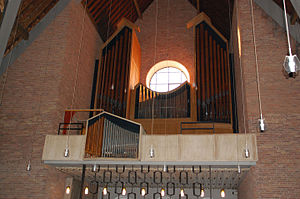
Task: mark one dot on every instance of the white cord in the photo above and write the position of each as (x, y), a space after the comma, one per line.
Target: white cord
(76, 78)
(256, 61)
(287, 28)
(154, 59)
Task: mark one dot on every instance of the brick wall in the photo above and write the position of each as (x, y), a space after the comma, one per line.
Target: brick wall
(277, 173)
(38, 88)
(174, 40)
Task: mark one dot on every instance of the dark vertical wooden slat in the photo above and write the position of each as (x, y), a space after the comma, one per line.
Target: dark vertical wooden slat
(223, 84)
(113, 90)
(202, 69)
(226, 69)
(212, 92)
(127, 72)
(197, 52)
(123, 79)
(207, 83)
(102, 80)
(219, 82)
(99, 83)
(216, 80)
(110, 77)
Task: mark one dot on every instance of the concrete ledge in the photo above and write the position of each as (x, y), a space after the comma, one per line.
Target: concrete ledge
(55, 145)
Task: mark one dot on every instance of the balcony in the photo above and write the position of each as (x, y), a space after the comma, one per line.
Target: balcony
(110, 139)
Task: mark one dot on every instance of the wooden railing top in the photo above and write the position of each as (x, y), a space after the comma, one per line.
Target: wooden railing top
(84, 110)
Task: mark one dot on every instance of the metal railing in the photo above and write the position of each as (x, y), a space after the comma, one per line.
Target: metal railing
(212, 128)
(74, 128)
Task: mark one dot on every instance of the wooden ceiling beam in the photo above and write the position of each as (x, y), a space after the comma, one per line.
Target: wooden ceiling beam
(198, 6)
(294, 17)
(137, 8)
(99, 12)
(93, 9)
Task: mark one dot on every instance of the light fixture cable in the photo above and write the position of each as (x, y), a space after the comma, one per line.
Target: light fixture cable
(154, 60)
(287, 28)
(76, 79)
(261, 121)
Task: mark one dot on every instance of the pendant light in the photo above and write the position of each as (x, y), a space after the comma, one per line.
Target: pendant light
(86, 190)
(291, 62)
(68, 190)
(202, 193)
(222, 193)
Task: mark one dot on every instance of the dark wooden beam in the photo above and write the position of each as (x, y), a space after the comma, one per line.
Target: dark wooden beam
(294, 17)
(137, 7)
(198, 6)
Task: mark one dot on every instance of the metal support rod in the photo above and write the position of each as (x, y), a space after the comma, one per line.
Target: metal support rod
(82, 181)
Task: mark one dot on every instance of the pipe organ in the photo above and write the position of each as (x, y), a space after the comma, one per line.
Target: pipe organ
(172, 104)
(119, 91)
(213, 92)
(118, 70)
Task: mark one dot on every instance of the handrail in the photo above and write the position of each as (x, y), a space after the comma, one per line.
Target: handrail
(67, 126)
(198, 128)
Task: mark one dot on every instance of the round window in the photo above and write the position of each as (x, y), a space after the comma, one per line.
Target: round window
(166, 79)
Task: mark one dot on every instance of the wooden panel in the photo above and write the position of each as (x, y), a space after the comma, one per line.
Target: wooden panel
(94, 138)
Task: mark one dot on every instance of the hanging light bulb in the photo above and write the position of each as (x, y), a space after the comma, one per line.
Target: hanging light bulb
(123, 191)
(68, 190)
(95, 168)
(162, 192)
(67, 152)
(291, 62)
(151, 152)
(28, 166)
(291, 65)
(165, 169)
(202, 193)
(182, 192)
(104, 192)
(86, 190)
(261, 125)
(239, 168)
(247, 153)
(143, 191)
(222, 193)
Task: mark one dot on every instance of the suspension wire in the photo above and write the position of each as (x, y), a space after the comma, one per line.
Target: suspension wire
(154, 60)
(256, 61)
(76, 72)
(168, 80)
(287, 28)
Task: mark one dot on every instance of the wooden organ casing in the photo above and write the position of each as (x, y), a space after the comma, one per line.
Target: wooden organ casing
(119, 70)
(213, 83)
